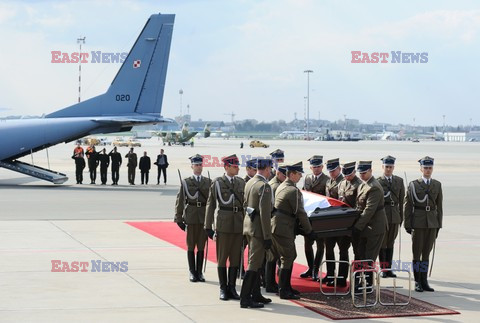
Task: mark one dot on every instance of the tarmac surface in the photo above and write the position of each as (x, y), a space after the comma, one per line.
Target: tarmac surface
(41, 222)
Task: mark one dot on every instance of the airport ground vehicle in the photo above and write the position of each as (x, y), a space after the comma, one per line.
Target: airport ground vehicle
(258, 143)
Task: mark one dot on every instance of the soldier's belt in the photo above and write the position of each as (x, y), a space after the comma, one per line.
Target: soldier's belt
(391, 203)
(197, 204)
(234, 209)
(424, 208)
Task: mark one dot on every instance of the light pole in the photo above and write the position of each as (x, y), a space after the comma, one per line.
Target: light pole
(443, 123)
(80, 41)
(181, 93)
(308, 102)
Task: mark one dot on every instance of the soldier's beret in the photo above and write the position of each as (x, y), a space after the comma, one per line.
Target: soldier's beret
(388, 160)
(348, 168)
(426, 161)
(364, 166)
(332, 164)
(297, 167)
(230, 160)
(316, 160)
(196, 159)
(277, 154)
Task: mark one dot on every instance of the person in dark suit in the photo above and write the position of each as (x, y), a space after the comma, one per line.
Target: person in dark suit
(92, 163)
(144, 166)
(162, 164)
(78, 154)
(104, 162)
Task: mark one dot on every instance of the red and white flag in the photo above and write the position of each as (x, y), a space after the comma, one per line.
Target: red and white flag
(136, 64)
(312, 201)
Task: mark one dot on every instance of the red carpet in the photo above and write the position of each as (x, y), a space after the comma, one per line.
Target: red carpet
(335, 308)
(171, 233)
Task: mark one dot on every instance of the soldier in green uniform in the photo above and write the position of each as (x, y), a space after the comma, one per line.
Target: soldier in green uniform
(190, 215)
(423, 219)
(257, 229)
(278, 157)
(315, 182)
(369, 230)
(393, 194)
(273, 256)
(288, 209)
(251, 169)
(331, 190)
(226, 196)
(347, 193)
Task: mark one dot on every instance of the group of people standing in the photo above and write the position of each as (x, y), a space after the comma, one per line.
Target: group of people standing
(266, 208)
(114, 160)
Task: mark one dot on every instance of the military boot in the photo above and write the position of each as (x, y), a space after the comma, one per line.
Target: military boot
(191, 266)
(289, 281)
(200, 266)
(309, 256)
(382, 258)
(246, 300)
(222, 278)
(271, 284)
(284, 290)
(416, 275)
(232, 278)
(389, 256)
(424, 281)
(256, 292)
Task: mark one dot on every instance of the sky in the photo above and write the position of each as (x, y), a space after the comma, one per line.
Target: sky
(248, 57)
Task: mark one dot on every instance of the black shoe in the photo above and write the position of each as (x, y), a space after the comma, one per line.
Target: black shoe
(250, 303)
(261, 299)
(307, 273)
(417, 276)
(418, 287)
(315, 277)
(341, 282)
(326, 280)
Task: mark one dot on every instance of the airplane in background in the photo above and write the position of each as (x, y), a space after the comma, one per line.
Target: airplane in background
(134, 98)
(387, 135)
(181, 137)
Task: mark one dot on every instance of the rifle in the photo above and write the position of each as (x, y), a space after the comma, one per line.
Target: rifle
(206, 248)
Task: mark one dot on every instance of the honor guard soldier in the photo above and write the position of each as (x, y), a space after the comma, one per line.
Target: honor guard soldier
(131, 165)
(190, 215)
(272, 257)
(368, 231)
(251, 169)
(393, 194)
(278, 157)
(423, 219)
(288, 209)
(226, 196)
(315, 182)
(257, 228)
(331, 190)
(347, 193)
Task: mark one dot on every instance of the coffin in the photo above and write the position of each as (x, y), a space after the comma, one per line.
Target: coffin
(329, 217)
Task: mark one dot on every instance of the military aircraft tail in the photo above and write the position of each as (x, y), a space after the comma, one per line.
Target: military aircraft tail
(139, 85)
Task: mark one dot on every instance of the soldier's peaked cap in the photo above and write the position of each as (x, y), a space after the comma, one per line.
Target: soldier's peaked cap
(277, 154)
(388, 160)
(252, 163)
(332, 164)
(316, 160)
(282, 169)
(230, 160)
(348, 168)
(364, 166)
(264, 162)
(426, 161)
(196, 159)
(297, 167)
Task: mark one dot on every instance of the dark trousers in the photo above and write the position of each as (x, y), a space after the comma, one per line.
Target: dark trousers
(115, 174)
(103, 174)
(131, 175)
(93, 174)
(144, 176)
(160, 170)
(79, 174)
